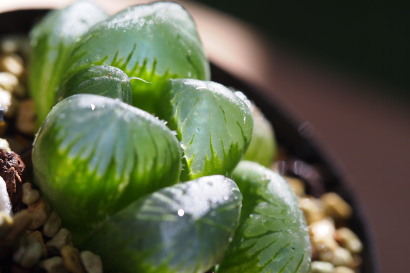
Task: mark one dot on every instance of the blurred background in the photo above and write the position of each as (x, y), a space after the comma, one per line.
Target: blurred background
(343, 71)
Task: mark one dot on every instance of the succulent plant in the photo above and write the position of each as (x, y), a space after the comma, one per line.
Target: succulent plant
(262, 148)
(52, 41)
(94, 155)
(183, 228)
(272, 235)
(154, 42)
(101, 80)
(213, 125)
(116, 173)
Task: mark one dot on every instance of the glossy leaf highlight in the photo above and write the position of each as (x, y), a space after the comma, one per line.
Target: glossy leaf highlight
(184, 228)
(213, 125)
(272, 235)
(95, 155)
(107, 81)
(153, 42)
(51, 42)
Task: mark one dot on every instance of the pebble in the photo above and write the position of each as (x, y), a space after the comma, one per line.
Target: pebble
(335, 206)
(37, 236)
(61, 239)
(39, 212)
(28, 253)
(312, 209)
(322, 267)
(52, 226)
(72, 259)
(30, 195)
(349, 240)
(13, 64)
(54, 265)
(91, 262)
(343, 269)
(26, 117)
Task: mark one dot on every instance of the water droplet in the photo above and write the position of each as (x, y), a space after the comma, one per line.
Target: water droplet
(226, 197)
(183, 147)
(181, 212)
(92, 106)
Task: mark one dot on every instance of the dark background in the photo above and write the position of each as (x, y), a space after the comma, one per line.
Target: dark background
(368, 38)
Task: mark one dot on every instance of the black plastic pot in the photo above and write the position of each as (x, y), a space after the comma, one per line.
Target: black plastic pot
(297, 143)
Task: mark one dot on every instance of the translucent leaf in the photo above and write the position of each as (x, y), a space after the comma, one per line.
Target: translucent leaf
(213, 124)
(153, 42)
(52, 41)
(262, 148)
(272, 235)
(101, 80)
(184, 228)
(94, 155)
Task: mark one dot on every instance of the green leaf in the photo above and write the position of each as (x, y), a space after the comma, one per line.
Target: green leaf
(213, 125)
(272, 235)
(262, 148)
(184, 228)
(153, 42)
(94, 155)
(52, 41)
(101, 80)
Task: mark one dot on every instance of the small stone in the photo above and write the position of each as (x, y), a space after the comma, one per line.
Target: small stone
(13, 44)
(349, 240)
(92, 263)
(335, 206)
(322, 236)
(322, 267)
(30, 195)
(343, 269)
(28, 253)
(39, 212)
(26, 117)
(338, 257)
(312, 209)
(61, 239)
(297, 185)
(13, 64)
(8, 81)
(52, 226)
(71, 259)
(54, 265)
(9, 46)
(37, 236)
(8, 104)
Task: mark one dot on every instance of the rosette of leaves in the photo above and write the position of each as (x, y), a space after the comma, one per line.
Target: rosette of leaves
(107, 81)
(94, 155)
(52, 41)
(272, 235)
(154, 42)
(262, 148)
(213, 125)
(184, 228)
